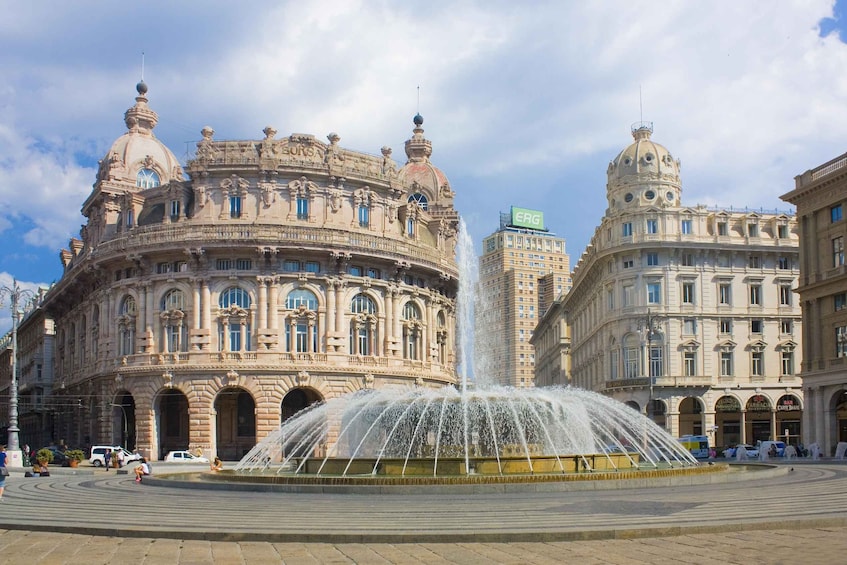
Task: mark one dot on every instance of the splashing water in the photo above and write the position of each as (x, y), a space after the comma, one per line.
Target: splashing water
(362, 432)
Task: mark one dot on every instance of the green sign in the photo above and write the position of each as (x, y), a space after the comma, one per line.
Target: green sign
(524, 218)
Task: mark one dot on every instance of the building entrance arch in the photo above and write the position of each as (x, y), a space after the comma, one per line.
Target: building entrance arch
(841, 416)
(172, 422)
(691, 416)
(728, 421)
(296, 400)
(789, 414)
(123, 420)
(235, 423)
(759, 419)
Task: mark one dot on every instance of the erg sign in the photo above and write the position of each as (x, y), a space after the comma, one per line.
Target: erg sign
(525, 218)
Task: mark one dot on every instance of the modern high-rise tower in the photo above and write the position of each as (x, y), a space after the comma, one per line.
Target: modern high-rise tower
(522, 270)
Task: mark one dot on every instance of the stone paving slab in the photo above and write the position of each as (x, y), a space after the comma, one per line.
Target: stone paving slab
(811, 546)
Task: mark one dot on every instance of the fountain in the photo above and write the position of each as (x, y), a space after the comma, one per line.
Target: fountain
(475, 430)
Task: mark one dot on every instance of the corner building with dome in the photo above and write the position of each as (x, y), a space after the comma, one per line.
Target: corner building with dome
(688, 313)
(202, 306)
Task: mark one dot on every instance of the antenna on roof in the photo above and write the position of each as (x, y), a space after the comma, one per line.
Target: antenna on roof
(419, 99)
(640, 106)
(142, 65)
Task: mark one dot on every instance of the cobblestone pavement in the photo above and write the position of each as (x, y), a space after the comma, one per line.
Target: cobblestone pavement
(810, 546)
(91, 517)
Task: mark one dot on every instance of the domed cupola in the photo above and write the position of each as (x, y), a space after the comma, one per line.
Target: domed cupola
(137, 159)
(643, 174)
(428, 185)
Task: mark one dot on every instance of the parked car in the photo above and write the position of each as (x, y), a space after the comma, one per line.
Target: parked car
(765, 447)
(752, 451)
(97, 452)
(185, 457)
(59, 457)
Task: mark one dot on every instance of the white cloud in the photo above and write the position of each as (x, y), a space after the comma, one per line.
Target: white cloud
(522, 102)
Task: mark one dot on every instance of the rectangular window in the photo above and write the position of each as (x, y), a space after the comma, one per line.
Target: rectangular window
(782, 231)
(234, 206)
(688, 293)
(725, 326)
(628, 296)
(652, 259)
(722, 228)
(755, 295)
(302, 208)
(656, 365)
(291, 265)
(787, 362)
(687, 259)
(410, 227)
(613, 364)
(224, 264)
(130, 216)
(627, 229)
(630, 362)
(784, 264)
(364, 216)
(724, 293)
(689, 363)
(180, 267)
(313, 267)
(838, 251)
(610, 299)
(726, 363)
(756, 326)
(839, 301)
(654, 293)
(164, 268)
(785, 295)
(355, 270)
(373, 273)
(754, 262)
(841, 341)
(628, 263)
(174, 209)
(243, 264)
(786, 327)
(756, 365)
(835, 213)
(689, 326)
(685, 227)
(652, 226)
(753, 230)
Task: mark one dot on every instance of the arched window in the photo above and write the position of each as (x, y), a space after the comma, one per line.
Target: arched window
(174, 329)
(301, 329)
(126, 326)
(412, 331)
(234, 320)
(147, 178)
(363, 326)
(420, 200)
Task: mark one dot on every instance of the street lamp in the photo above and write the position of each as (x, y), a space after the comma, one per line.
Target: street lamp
(649, 328)
(14, 294)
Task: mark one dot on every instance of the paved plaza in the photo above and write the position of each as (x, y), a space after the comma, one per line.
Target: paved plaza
(94, 517)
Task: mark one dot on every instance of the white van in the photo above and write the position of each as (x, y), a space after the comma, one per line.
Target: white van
(98, 451)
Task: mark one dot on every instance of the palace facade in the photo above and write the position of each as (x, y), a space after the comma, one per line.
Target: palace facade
(686, 313)
(202, 306)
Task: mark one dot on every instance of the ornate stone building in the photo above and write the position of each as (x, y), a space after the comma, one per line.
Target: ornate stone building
(820, 195)
(202, 306)
(685, 312)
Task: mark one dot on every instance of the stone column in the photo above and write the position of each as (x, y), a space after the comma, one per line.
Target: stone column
(330, 308)
(262, 283)
(743, 422)
(340, 308)
(273, 303)
(389, 316)
(207, 305)
(196, 304)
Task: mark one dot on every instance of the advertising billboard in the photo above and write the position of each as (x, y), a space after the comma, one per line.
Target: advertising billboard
(525, 218)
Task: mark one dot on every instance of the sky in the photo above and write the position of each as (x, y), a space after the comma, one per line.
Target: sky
(525, 103)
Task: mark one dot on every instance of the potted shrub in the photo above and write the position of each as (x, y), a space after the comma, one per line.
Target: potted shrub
(44, 456)
(74, 456)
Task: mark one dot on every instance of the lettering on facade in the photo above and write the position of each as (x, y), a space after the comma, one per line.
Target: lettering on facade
(788, 404)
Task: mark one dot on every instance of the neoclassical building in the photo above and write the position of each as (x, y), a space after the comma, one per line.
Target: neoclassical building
(820, 195)
(201, 306)
(687, 313)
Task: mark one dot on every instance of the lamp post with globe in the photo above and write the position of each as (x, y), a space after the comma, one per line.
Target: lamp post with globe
(15, 295)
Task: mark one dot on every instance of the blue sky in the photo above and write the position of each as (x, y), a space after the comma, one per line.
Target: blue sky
(525, 102)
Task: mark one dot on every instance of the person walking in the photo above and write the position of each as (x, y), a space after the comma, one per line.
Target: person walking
(4, 472)
(107, 459)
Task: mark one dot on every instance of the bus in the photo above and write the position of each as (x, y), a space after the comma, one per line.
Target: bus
(697, 445)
